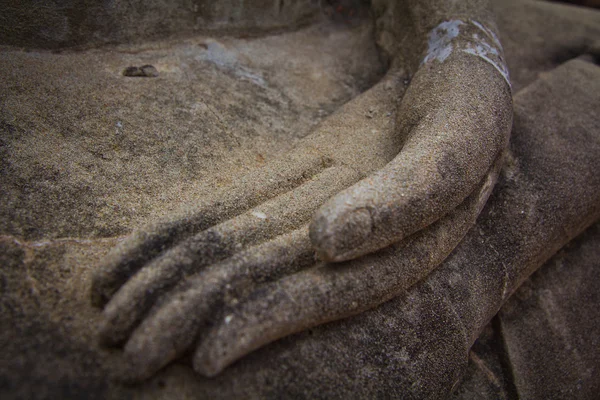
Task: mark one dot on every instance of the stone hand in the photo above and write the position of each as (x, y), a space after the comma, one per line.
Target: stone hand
(265, 204)
(238, 271)
(271, 290)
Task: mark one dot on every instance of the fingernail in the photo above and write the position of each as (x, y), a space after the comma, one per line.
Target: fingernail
(340, 239)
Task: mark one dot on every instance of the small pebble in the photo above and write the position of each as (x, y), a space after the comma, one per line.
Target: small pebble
(371, 113)
(145, 71)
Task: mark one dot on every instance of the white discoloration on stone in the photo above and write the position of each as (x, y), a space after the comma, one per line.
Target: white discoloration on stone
(483, 51)
(440, 39)
(491, 53)
(455, 34)
(224, 58)
(259, 214)
(489, 33)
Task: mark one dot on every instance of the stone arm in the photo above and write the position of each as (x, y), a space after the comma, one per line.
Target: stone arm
(238, 271)
(547, 194)
(453, 121)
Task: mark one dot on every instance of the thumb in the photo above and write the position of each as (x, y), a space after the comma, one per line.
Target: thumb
(456, 127)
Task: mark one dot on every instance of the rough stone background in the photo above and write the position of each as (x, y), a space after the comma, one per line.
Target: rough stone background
(58, 24)
(87, 154)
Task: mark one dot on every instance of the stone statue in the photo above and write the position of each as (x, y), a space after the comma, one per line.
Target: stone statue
(385, 203)
(245, 260)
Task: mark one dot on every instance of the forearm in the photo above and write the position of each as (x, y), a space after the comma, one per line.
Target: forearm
(550, 194)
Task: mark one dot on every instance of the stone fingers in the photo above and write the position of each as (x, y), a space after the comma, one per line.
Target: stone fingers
(275, 217)
(130, 303)
(334, 291)
(145, 244)
(130, 255)
(173, 325)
